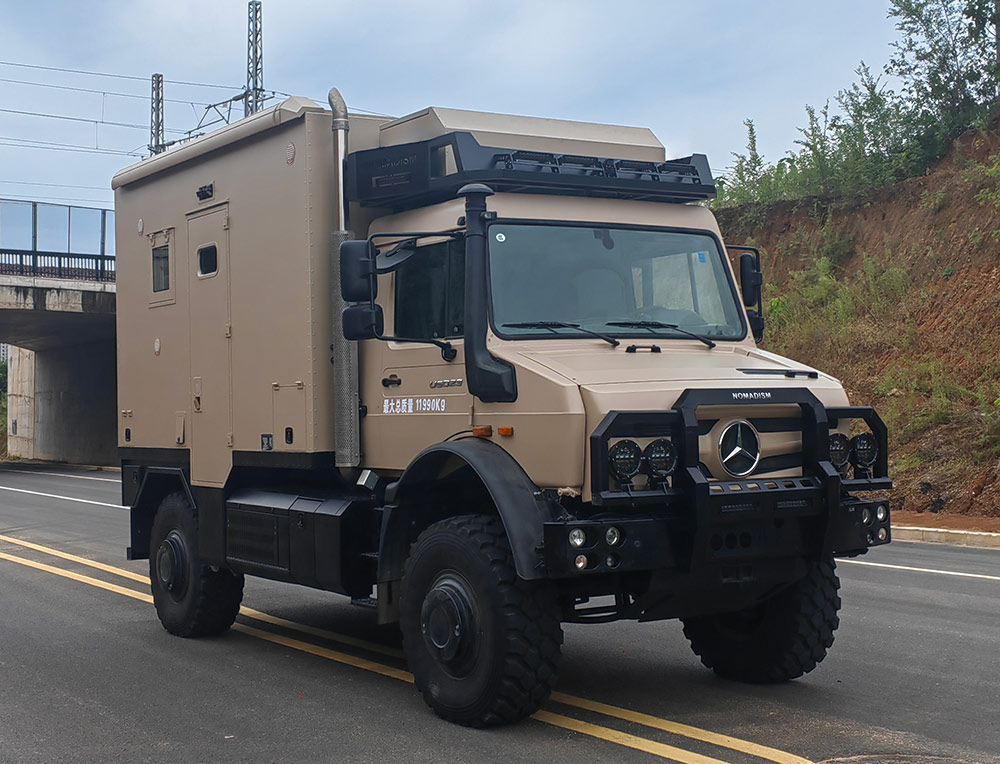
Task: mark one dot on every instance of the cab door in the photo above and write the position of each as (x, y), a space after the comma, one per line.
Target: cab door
(413, 396)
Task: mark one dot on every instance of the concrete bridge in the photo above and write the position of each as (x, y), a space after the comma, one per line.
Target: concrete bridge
(57, 312)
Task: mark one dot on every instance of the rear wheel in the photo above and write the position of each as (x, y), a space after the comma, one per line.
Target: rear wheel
(778, 640)
(191, 599)
(483, 644)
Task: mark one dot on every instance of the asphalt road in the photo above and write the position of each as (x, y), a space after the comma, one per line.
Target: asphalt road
(88, 675)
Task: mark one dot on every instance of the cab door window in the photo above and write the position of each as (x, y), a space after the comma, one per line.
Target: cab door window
(430, 293)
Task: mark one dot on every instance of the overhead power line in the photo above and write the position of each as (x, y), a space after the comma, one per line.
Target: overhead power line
(116, 76)
(81, 119)
(22, 198)
(52, 185)
(25, 143)
(99, 92)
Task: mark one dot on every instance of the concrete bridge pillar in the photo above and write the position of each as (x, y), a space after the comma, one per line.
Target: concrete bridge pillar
(62, 382)
(61, 404)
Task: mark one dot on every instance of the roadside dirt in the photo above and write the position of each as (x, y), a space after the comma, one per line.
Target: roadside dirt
(929, 361)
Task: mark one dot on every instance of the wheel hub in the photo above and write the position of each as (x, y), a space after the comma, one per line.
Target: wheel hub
(450, 624)
(172, 563)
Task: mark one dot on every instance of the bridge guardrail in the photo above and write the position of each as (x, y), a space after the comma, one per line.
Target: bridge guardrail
(60, 265)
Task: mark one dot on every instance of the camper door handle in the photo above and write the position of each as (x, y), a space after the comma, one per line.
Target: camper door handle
(391, 381)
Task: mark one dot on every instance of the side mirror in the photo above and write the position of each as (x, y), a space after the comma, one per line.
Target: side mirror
(750, 279)
(357, 272)
(362, 322)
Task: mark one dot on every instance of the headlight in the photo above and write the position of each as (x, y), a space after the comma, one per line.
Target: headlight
(661, 458)
(864, 450)
(625, 456)
(840, 449)
(881, 512)
(866, 515)
(612, 536)
(577, 538)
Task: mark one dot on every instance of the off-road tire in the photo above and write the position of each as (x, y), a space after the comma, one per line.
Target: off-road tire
(507, 660)
(781, 639)
(191, 599)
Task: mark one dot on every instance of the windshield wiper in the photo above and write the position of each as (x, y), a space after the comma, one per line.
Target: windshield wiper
(651, 325)
(553, 325)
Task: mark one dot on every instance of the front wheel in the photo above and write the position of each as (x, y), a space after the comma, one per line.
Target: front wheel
(483, 644)
(781, 639)
(191, 599)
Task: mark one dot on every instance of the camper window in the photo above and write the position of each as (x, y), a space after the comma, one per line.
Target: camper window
(161, 268)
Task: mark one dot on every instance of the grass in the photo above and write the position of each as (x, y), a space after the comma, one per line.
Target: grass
(861, 326)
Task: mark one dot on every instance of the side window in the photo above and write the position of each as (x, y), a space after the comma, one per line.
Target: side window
(430, 293)
(161, 268)
(208, 260)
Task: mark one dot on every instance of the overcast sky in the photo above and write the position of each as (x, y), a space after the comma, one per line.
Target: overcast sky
(691, 70)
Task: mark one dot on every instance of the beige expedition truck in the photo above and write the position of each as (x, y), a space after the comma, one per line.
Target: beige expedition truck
(485, 374)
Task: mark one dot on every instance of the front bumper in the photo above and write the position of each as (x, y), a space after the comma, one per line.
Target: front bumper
(692, 522)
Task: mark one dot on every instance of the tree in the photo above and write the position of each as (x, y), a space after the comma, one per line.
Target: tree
(984, 20)
(946, 57)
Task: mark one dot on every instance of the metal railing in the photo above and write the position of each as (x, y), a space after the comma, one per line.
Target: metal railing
(60, 265)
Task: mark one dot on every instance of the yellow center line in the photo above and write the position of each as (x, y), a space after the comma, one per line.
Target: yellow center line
(625, 739)
(245, 611)
(77, 577)
(624, 714)
(684, 730)
(592, 730)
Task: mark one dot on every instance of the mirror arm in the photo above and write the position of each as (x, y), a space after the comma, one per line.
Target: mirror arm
(448, 351)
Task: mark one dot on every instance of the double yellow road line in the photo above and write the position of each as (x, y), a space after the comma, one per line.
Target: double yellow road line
(608, 734)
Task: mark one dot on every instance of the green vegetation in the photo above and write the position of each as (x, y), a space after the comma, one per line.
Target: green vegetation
(947, 64)
(858, 323)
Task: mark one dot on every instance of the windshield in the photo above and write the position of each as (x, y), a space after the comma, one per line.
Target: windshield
(621, 282)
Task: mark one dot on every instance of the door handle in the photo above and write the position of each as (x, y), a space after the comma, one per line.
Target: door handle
(391, 381)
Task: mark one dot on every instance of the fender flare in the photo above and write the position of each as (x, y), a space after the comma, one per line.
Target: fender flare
(522, 506)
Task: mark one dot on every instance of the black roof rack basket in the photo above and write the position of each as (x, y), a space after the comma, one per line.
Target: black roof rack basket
(426, 172)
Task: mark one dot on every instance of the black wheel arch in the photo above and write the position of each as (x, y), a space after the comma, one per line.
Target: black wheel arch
(443, 480)
(154, 484)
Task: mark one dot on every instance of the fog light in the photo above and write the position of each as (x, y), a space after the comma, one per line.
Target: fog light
(840, 448)
(577, 538)
(881, 512)
(661, 458)
(580, 562)
(611, 561)
(883, 533)
(613, 536)
(625, 457)
(864, 450)
(866, 515)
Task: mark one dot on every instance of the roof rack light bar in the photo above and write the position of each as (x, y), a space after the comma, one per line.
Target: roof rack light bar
(425, 172)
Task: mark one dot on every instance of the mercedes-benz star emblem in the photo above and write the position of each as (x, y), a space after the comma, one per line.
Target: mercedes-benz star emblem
(739, 449)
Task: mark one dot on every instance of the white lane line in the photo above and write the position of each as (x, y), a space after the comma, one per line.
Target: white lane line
(64, 498)
(60, 474)
(956, 573)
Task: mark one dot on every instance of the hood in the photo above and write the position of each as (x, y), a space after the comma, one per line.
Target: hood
(588, 364)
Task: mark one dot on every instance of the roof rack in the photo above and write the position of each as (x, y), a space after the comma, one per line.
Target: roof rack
(425, 172)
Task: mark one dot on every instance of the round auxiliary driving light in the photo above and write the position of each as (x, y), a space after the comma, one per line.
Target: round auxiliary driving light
(881, 513)
(577, 538)
(866, 515)
(625, 456)
(840, 449)
(864, 450)
(882, 534)
(613, 536)
(580, 562)
(661, 458)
